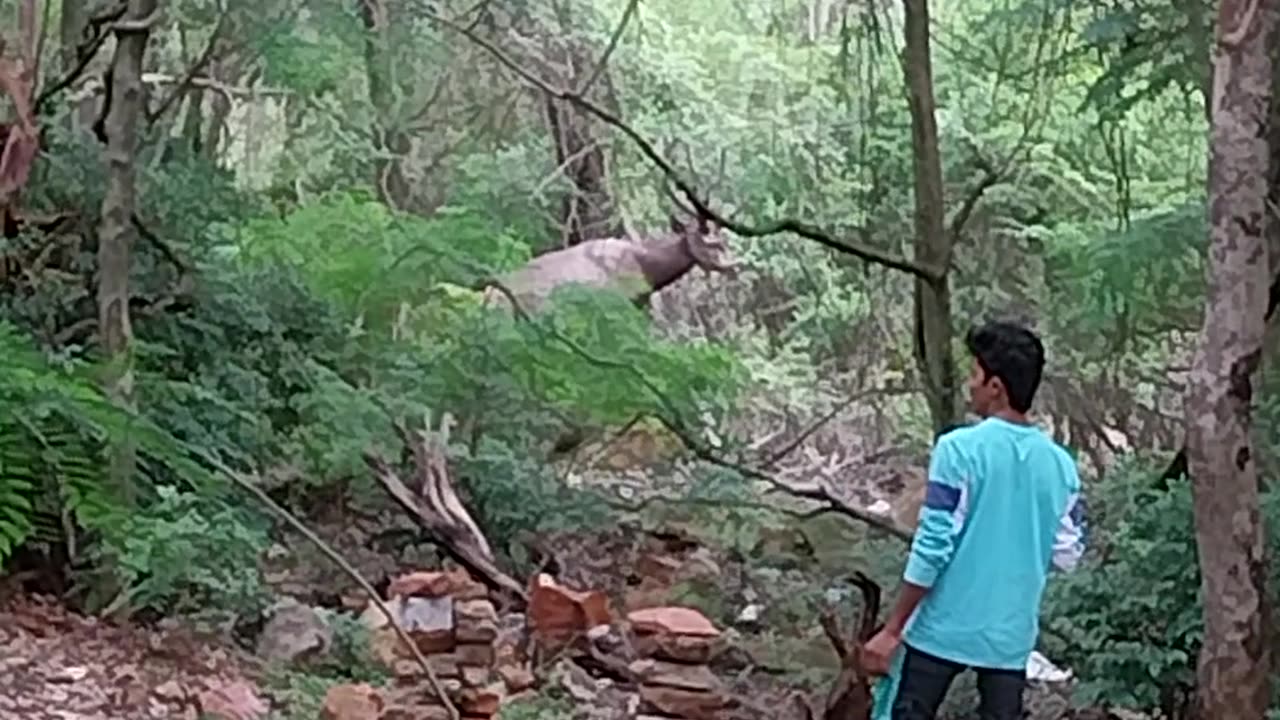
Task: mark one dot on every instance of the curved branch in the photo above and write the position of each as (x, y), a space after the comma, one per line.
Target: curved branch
(791, 225)
(816, 492)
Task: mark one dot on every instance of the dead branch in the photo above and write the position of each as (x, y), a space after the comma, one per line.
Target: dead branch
(438, 510)
(627, 14)
(206, 56)
(96, 32)
(328, 551)
(798, 440)
(802, 229)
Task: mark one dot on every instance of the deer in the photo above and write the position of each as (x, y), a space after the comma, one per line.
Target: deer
(850, 697)
(637, 268)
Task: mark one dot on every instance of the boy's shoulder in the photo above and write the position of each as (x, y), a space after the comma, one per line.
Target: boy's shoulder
(969, 439)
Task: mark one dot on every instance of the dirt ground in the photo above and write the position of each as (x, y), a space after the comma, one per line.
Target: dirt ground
(55, 665)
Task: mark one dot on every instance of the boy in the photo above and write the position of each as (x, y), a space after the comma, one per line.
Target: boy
(1002, 503)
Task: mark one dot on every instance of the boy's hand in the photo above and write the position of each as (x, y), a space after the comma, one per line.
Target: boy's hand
(878, 651)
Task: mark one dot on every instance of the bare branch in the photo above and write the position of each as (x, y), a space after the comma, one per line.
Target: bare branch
(816, 492)
(348, 569)
(196, 68)
(829, 416)
(613, 45)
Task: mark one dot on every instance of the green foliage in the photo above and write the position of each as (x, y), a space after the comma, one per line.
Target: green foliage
(190, 554)
(52, 421)
(1128, 621)
(357, 253)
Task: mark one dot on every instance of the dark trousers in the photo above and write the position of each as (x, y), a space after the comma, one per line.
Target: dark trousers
(925, 680)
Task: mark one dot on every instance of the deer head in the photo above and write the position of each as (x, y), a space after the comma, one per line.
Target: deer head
(702, 237)
(705, 242)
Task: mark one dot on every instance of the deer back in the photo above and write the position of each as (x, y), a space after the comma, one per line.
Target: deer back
(602, 263)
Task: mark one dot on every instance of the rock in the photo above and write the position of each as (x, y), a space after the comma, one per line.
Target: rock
(516, 678)
(672, 620)
(352, 702)
(476, 621)
(680, 634)
(444, 665)
(170, 691)
(237, 700)
(475, 676)
(557, 614)
(679, 648)
(295, 633)
(676, 675)
(688, 704)
(478, 655)
(456, 583)
(662, 568)
(415, 712)
(481, 701)
(373, 617)
(427, 621)
(68, 674)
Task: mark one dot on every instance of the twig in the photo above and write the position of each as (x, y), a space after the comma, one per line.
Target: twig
(205, 58)
(841, 407)
(613, 45)
(347, 568)
(85, 52)
(443, 515)
(804, 230)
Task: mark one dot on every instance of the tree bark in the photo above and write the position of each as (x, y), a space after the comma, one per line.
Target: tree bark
(587, 210)
(1235, 660)
(393, 185)
(115, 235)
(933, 327)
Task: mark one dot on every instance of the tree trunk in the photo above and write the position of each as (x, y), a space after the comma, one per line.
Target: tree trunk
(115, 234)
(391, 141)
(587, 211)
(933, 328)
(1235, 660)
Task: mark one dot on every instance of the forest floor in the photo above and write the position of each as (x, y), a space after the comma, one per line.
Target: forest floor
(57, 665)
(757, 581)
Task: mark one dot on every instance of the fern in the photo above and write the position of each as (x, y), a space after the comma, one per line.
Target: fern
(54, 424)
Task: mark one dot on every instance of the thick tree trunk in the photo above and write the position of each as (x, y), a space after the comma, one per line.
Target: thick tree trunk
(115, 234)
(1235, 660)
(933, 330)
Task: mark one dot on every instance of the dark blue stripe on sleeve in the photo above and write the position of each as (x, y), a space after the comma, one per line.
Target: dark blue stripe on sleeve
(941, 497)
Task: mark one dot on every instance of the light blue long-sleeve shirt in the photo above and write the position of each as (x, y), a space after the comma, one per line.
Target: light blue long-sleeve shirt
(1002, 505)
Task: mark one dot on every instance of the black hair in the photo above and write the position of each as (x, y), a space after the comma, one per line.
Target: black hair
(1012, 353)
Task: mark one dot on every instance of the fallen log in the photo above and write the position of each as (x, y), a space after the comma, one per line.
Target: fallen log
(436, 507)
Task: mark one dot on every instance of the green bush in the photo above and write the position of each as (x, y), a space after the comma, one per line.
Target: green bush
(1128, 621)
